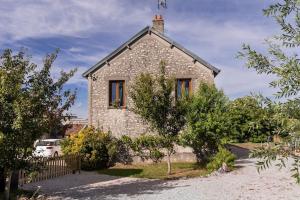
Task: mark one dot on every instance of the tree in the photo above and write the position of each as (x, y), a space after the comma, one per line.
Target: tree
(154, 102)
(207, 122)
(244, 115)
(280, 61)
(251, 119)
(28, 96)
(284, 64)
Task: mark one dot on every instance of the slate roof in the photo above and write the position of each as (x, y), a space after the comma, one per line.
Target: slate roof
(139, 35)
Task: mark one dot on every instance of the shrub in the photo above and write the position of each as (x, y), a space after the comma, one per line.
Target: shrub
(206, 121)
(146, 146)
(254, 119)
(98, 150)
(223, 156)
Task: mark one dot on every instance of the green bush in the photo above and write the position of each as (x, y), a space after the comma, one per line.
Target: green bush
(146, 146)
(207, 121)
(98, 150)
(223, 156)
(253, 119)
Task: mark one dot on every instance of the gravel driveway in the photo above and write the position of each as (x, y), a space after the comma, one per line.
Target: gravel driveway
(243, 183)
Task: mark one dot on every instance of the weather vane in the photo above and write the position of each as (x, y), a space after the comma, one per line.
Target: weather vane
(162, 4)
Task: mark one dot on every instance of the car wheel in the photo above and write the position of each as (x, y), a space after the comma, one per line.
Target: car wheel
(55, 154)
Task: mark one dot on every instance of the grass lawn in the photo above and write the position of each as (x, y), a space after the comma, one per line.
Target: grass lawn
(156, 171)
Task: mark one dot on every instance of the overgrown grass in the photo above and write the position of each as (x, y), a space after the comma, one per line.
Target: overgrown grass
(157, 171)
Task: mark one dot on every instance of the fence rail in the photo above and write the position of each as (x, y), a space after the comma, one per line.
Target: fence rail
(48, 168)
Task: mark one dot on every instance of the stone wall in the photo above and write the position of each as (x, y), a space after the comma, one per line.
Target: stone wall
(143, 56)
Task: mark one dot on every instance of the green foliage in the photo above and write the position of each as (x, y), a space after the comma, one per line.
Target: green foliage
(243, 112)
(251, 120)
(290, 112)
(223, 156)
(275, 118)
(207, 120)
(283, 64)
(291, 109)
(296, 169)
(154, 102)
(279, 155)
(98, 149)
(280, 61)
(32, 103)
(29, 100)
(146, 146)
(59, 99)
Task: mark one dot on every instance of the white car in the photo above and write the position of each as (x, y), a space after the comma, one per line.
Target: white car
(47, 148)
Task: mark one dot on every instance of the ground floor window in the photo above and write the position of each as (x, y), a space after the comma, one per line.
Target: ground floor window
(116, 93)
(183, 88)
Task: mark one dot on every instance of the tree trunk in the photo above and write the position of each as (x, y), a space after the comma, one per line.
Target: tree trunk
(14, 185)
(2, 180)
(7, 184)
(169, 161)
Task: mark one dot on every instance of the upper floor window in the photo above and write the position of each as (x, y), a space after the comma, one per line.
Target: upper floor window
(183, 88)
(116, 93)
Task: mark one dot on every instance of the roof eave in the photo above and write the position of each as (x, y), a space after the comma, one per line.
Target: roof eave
(215, 70)
(116, 52)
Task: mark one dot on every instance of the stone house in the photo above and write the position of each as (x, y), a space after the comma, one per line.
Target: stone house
(110, 79)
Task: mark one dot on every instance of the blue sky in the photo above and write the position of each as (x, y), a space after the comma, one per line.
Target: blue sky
(86, 31)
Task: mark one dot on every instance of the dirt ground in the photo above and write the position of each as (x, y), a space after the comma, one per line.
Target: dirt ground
(243, 183)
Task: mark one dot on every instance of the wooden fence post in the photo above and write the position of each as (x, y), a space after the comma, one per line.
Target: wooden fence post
(51, 168)
(14, 180)
(79, 163)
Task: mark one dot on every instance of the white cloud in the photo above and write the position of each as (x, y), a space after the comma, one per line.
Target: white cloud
(238, 81)
(76, 50)
(215, 37)
(90, 60)
(30, 19)
(219, 43)
(62, 64)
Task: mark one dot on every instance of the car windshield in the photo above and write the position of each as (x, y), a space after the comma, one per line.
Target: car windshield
(45, 143)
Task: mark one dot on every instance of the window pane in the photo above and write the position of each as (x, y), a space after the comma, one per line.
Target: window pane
(187, 87)
(178, 88)
(116, 93)
(113, 92)
(183, 87)
(121, 103)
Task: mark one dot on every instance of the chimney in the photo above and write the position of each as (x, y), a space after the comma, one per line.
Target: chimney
(158, 23)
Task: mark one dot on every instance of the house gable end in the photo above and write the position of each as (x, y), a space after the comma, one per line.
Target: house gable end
(138, 36)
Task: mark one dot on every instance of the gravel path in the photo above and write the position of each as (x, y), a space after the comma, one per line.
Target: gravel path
(243, 183)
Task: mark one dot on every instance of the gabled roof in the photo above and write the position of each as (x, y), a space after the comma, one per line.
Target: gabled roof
(139, 35)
